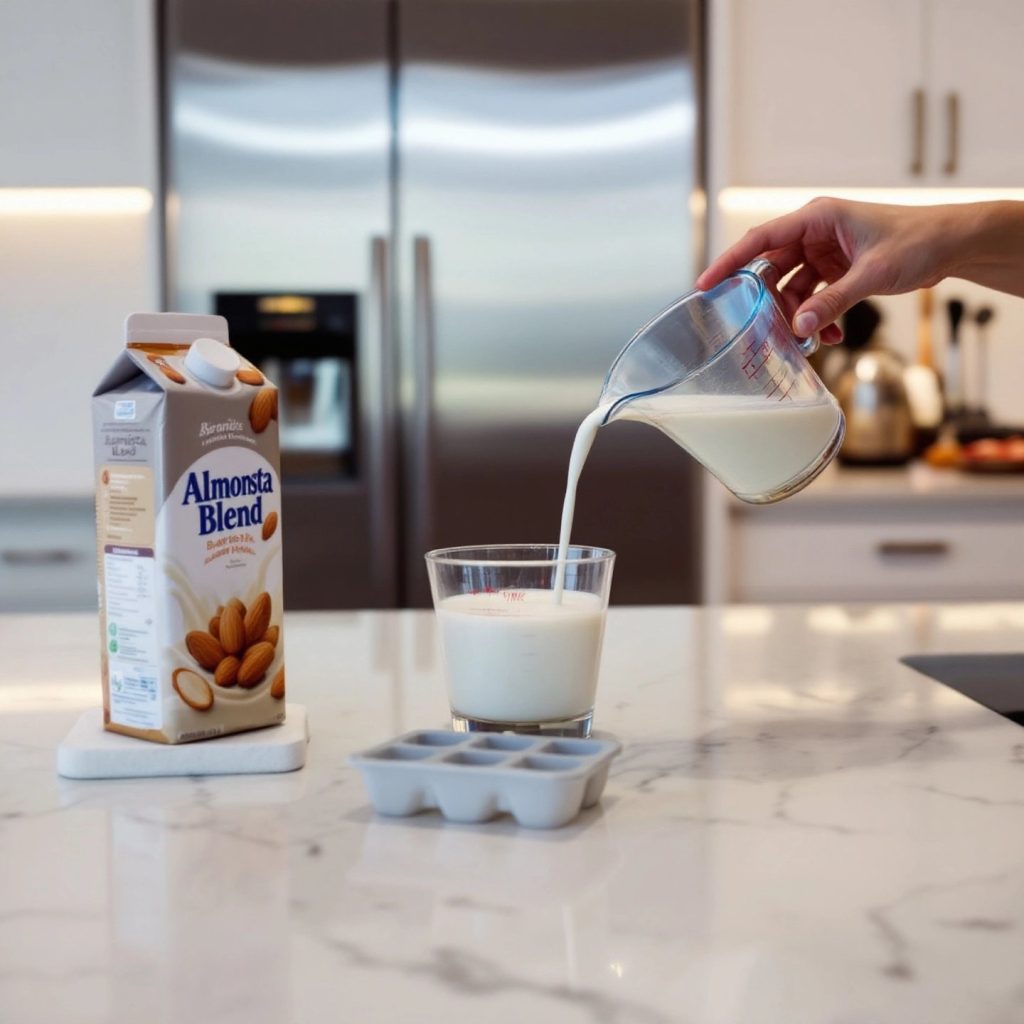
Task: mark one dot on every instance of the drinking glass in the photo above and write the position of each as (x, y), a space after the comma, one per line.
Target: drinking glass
(516, 657)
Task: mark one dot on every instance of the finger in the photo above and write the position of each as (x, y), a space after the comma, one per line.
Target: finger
(828, 305)
(798, 289)
(775, 234)
(786, 259)
(831, 335)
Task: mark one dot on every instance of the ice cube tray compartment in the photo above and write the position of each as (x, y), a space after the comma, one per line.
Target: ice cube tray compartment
(473, 777)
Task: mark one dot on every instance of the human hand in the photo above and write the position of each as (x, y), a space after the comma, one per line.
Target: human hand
(855, 249)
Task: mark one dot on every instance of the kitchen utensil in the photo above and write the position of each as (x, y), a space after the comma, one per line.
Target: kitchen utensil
(921, 380)
(518, 657)
(982, 318)
(721, 373)
(542, 783)
(873, 397)
(954, 377)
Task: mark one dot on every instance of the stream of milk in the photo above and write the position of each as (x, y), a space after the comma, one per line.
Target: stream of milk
(753, 445)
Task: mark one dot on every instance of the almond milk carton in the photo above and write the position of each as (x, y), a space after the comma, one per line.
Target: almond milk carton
(188, 521)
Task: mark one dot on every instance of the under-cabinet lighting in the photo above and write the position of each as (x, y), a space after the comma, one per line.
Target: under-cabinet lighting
(74, 201)
(841, 621)
(750, 199)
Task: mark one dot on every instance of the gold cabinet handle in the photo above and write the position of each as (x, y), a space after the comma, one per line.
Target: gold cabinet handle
(912, 548)
(953, 138)
(917, 160)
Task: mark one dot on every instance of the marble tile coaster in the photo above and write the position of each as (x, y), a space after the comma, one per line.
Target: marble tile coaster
(90, 752)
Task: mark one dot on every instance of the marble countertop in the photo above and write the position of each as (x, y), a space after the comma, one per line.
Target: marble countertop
(916, 484)
(799, 830)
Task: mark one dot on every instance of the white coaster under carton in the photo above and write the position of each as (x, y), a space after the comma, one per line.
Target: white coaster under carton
(91, 752)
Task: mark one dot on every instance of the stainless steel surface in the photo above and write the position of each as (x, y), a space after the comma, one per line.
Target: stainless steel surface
(419, 503)
(953, 133)
(378, 425)
(548, 150)
(873, 397)
(279, 144)
(918, 133)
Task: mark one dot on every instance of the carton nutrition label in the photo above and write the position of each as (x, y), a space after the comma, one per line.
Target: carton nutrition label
(131, 641)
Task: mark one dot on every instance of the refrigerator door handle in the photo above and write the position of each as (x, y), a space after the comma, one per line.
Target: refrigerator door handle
(379, 415)
(422, 447)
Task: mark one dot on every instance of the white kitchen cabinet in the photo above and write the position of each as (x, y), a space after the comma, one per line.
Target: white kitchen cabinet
(975, 79)
(822, 93)
(78, 108)
(885, 93)
(882, 536)
(77, 96)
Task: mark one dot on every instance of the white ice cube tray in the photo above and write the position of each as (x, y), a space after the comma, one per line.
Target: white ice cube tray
(542, 781)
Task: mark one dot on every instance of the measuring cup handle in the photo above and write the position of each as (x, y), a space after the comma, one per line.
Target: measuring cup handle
(769, 273)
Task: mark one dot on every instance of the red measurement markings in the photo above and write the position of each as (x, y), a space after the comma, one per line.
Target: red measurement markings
(486, 590)
(785, 394)
(752, 368)
(513, 595)
(754, 350)
(776, 382)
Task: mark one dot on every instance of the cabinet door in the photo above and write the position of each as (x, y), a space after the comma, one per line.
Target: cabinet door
(824, 93)
(974, 62)
(77, 93)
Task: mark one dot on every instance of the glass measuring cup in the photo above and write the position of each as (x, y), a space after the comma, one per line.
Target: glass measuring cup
(721, 373)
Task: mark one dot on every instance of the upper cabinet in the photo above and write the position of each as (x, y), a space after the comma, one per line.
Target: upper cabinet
(975, 83)
(891, 93)
(77, 93)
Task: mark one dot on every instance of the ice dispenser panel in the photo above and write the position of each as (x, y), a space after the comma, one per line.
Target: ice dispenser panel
(306, 344)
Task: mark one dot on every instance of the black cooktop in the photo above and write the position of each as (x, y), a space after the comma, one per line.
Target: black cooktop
(993, 680)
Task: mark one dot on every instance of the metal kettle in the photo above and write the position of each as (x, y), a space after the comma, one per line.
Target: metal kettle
(872, 395)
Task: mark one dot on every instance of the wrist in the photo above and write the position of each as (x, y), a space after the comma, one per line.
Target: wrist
(989, 237)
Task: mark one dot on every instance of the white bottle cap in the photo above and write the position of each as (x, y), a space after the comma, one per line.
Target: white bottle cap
(212, 362)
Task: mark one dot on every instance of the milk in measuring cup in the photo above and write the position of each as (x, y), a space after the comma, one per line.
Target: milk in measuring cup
(516, 656)
(753, 444)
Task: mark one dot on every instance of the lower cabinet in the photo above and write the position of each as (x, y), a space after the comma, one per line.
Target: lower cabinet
(47, 555)
(877, 552)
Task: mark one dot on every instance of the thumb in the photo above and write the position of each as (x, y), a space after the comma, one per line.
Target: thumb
(828, 305)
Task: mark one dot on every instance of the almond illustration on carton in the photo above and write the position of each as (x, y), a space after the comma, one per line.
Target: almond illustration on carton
(231, 630)
(277, 684)
(272, 634)
(206, 649)
(263, 409)
(214, 625)
(250, 375)
(270, 526)
(166, 369)
(227, 671)
(255, 664)
(193, 689)
(257, 619)
(236, 603)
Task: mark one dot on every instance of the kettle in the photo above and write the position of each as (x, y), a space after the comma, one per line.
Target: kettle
(872, 395)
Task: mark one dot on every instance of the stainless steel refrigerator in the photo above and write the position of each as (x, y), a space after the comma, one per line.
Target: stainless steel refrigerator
(504, 190)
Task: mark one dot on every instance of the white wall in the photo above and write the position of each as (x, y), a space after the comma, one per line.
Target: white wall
(77, 109)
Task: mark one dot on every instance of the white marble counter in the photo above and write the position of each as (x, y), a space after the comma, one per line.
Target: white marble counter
(799, 831)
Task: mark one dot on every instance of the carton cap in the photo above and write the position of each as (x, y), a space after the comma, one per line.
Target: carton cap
(212, 362)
